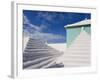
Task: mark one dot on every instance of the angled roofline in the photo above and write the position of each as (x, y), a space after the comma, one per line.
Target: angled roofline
(84, 23)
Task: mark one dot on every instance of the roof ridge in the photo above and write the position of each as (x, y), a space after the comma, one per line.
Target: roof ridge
(82, 22)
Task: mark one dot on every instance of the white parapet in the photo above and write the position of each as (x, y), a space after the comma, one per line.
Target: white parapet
(58, 46)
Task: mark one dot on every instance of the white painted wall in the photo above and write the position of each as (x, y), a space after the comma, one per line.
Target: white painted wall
(79, 53)
(58, 46)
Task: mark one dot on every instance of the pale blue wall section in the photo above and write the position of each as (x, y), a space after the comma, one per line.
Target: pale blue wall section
(72, 33)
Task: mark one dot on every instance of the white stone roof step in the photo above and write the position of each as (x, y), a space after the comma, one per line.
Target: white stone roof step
(33, 57)
(42, 52)
(38, 60)
(48, 65)
(40, 64)
(34, 62)
(39, 49)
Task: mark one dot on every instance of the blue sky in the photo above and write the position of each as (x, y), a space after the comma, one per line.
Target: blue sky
(49, 26)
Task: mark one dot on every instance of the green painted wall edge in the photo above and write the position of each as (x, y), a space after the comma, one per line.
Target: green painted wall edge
(72, 33)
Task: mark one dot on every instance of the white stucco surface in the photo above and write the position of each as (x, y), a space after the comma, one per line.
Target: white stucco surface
(58, 46)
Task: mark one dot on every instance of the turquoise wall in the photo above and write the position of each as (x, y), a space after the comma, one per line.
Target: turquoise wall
(73, 32)
(88, 29)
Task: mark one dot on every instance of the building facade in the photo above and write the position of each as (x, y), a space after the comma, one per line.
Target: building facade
(78, 52)
(73, 30)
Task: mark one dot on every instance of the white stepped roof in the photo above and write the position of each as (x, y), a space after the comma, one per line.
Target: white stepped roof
(37, 55)
(83, 22)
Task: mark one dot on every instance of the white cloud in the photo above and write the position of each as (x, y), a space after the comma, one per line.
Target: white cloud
(47, 16)
(26, 21)
(47, 36)
(32, 26)
(37, 31)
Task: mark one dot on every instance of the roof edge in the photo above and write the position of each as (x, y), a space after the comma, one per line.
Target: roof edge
(78, 24)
